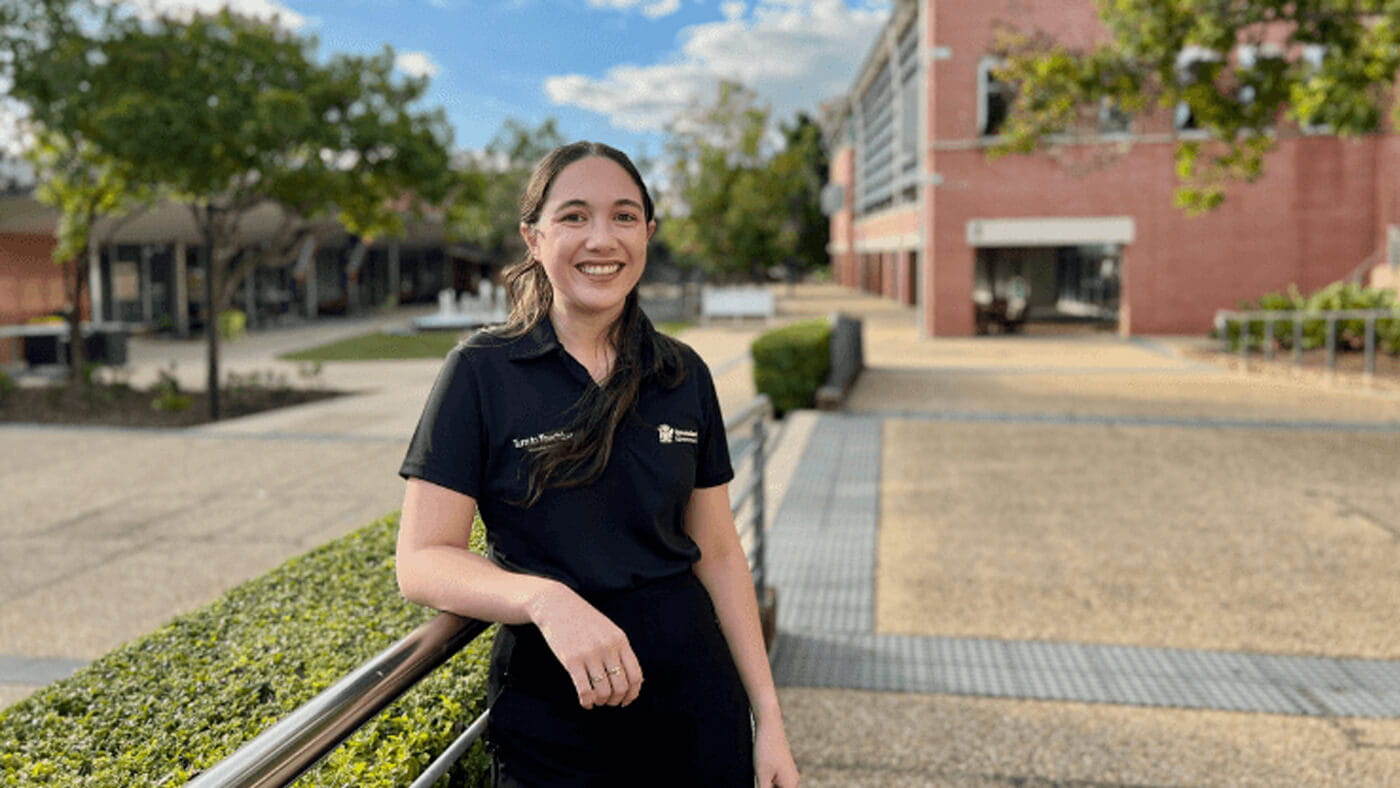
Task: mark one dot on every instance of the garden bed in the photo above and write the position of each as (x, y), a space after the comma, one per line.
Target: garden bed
(122, 405)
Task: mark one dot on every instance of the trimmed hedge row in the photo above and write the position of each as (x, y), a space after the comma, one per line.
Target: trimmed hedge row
(791, 363)
(159, 709)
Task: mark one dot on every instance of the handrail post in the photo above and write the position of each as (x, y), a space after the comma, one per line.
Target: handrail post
(1331, 344)
(1370, 346)
(760, 459)
(1297, 338)
(1244, 341)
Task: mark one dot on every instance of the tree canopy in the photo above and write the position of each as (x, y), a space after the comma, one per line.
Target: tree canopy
(741, 197)
(1246, 71)
(499, 176)
(228, 114)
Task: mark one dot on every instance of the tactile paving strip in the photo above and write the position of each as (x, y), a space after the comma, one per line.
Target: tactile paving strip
(1085, 673)
(821, 546)
(822, 559)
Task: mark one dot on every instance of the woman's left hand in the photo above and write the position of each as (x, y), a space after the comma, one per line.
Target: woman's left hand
(773, 763)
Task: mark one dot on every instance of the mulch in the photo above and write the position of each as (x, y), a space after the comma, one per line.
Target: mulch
(123, 406)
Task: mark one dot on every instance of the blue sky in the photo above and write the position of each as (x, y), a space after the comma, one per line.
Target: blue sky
(613, 70)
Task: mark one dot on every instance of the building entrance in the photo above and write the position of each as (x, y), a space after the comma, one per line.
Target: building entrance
(1046, 288)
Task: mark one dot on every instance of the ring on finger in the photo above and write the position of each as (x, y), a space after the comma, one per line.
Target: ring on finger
(594, 680)
(614, 670)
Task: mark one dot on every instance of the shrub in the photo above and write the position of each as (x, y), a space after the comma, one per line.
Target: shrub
(1335, 297)
(233, 324)
(7, 385)
(791, 363)
(178, 700)
(169, 398)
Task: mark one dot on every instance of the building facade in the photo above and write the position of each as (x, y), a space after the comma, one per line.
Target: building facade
(148, 273)
(1088, 230)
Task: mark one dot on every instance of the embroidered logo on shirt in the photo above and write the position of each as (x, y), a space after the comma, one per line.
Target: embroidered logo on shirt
(668, 434)
(543, 439)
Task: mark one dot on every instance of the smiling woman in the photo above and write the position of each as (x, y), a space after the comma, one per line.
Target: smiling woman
(594, 449)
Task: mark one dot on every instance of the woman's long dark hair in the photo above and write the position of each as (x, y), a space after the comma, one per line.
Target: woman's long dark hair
(580, 458)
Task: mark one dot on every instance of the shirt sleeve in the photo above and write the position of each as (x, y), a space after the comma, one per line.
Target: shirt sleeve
(713, 466)
(448, 447)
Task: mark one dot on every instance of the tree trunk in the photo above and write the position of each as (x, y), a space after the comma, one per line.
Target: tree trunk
(211, 315)
(77, 348)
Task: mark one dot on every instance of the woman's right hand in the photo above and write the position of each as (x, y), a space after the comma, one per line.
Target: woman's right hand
(594, 650)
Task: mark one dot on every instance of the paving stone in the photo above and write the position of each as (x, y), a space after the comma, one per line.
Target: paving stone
(823, 543)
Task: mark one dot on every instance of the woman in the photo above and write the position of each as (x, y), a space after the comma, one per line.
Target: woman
(631, 652)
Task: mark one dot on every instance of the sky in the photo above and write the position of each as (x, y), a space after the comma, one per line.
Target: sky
(611, 70)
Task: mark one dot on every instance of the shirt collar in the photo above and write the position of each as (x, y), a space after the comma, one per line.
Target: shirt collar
(541, 340)
(536, 342)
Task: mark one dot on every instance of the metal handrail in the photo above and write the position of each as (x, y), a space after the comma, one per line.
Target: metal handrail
(280, 754)
(1298, 317)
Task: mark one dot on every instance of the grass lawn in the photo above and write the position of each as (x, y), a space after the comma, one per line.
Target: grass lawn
(429, 344)
(376, 346)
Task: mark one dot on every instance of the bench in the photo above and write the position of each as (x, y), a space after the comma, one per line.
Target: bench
(736, 303)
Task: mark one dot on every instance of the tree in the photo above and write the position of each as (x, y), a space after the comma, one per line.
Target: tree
(498, 178)
(734, 206)
(228, 114)
(1246, 70)
(803, 165)
(85, 186)
(48, 57)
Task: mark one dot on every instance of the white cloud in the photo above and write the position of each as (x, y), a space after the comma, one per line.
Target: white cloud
(661, 8)
(793, 53)
(733, 10)
(416, 64)
(258, 9)
(655, 9)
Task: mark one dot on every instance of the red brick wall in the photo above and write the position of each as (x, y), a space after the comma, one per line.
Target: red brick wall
(31, 284)
(1310, 221)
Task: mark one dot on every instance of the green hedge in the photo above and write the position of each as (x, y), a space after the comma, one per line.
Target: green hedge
(791, 363)
(157, 710)
(1351, 334)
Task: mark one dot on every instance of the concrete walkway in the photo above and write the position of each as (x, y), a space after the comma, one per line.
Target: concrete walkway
(1088, 561)
(1038, 560)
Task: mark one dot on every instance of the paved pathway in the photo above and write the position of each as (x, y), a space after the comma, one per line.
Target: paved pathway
(1078, 560)
(1026, 560)
(824, 549)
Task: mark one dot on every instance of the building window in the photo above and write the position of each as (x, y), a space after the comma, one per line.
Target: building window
(994, 97)
(1314, 55)
(908, 50)
(1191, 67)
(1113, 119)
(876, 151)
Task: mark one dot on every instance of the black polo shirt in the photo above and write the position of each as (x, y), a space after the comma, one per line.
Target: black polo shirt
(494, 398)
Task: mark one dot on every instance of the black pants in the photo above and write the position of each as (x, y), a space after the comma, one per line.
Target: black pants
(690, 724)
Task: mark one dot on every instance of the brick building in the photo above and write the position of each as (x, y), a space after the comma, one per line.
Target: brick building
(1088, 230)
(147, 275)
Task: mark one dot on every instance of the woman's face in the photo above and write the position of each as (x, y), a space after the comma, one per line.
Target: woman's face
(591, 237)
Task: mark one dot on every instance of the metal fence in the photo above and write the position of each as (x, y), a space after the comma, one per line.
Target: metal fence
(1295, 324)
(280, 754)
